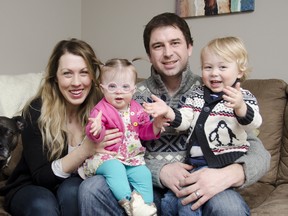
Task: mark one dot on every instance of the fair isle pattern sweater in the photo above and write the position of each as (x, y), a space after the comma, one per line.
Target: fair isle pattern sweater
(171, 146)
(216, 129)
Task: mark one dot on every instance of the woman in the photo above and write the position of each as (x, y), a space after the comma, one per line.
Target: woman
(45, 181)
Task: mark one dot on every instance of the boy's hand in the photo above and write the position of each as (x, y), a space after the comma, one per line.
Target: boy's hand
(234, 99)
(157, 108)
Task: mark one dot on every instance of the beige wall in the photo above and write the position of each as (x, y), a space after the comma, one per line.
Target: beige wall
(115, 29)
(30, 29)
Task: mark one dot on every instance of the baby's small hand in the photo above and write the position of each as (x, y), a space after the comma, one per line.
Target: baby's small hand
(96, 125)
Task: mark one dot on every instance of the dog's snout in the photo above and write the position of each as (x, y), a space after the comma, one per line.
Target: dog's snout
(4, 152)
(10, 130)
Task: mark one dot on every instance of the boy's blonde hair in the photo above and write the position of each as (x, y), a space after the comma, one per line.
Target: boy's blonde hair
(231, 49)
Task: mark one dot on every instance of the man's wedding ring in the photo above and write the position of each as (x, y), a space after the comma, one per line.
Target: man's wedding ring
(197, 194)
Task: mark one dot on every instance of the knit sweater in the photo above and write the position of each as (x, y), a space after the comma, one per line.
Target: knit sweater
(218, 134)
(171, 146)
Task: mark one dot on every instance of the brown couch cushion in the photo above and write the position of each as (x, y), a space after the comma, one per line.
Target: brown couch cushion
(283, 166)
(256, 194)
(275, 204)
(272, 100)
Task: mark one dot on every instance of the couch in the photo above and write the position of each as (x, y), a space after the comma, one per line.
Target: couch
(268, 196)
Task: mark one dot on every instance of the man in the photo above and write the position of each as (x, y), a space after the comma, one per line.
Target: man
(169, 45)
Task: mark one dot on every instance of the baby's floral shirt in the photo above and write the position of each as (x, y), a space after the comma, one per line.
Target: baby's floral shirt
(130, 152)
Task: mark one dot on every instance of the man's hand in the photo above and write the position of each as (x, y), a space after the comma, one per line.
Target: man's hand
(203, 184)
(172, 174)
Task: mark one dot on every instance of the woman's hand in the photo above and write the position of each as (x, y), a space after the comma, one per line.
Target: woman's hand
(75, 158)
(112, 136)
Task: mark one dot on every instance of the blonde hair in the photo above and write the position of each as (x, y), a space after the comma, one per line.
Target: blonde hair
(53, 118)
(231, 49)
(118, 63)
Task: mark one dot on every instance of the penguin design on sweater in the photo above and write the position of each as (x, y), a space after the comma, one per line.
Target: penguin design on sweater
(222, 134)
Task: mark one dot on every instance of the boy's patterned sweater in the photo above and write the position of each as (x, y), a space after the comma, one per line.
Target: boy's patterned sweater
(221, 134)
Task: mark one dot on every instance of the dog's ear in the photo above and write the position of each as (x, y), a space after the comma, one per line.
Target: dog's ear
(20, 122)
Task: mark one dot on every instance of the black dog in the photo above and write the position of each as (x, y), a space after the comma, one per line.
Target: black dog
(10, 130)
